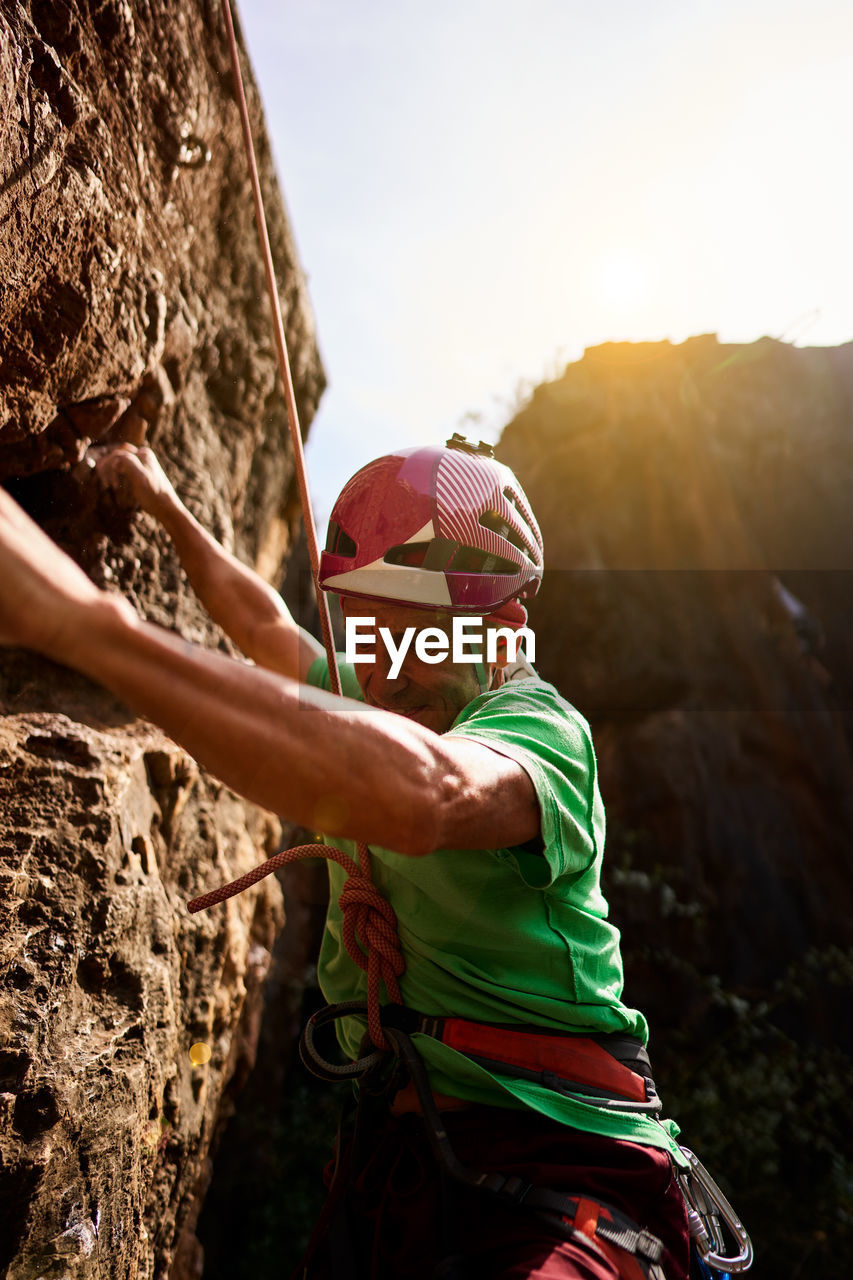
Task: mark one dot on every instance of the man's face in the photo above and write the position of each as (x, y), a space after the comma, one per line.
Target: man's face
(433, 694)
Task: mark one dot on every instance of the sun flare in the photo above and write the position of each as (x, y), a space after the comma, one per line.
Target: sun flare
(624, 279)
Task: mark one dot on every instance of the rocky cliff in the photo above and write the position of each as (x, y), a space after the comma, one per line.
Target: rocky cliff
(131, 308)
(695, 505)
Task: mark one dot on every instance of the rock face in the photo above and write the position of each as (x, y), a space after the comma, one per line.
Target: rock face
(698, 530)
(131, 308)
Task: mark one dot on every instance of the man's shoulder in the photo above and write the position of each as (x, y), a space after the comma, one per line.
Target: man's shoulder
(522, 694)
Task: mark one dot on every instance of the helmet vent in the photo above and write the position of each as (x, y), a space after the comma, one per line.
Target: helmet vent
(408, 553)
(339, 543)
(531, 546)
(473, 560)
(494, 521)
(433, 555)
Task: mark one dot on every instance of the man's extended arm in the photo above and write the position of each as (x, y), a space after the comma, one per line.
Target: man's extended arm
(247, 608)
(316, 759)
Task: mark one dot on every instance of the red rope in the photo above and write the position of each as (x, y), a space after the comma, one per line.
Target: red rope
(281, 348)
(370, 925)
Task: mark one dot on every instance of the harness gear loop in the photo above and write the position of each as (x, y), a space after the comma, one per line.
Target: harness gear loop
(314, 1061)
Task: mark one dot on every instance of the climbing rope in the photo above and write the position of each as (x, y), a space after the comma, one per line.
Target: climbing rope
(281, 348)
(369, 922)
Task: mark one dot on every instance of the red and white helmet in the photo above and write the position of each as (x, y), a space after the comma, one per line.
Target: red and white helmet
(446, 528)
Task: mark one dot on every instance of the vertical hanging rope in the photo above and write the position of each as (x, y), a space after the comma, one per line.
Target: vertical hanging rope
(369, 922)
(281, 348)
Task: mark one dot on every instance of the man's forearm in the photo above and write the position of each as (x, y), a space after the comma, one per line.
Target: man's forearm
(246, 607)
(320, 761)
(235, 596)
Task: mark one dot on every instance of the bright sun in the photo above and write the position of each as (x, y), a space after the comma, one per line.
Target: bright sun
(624, 279)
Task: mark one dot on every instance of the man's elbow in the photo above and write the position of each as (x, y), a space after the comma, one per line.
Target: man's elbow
(418, 834)
(424, 824)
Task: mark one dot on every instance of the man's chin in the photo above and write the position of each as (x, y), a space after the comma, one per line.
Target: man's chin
(425, 715)
(410, 713)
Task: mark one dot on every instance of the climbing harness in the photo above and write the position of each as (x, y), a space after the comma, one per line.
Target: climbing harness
(603, 1071)
(603, 1225)
(608, 1071)
(635, 1253)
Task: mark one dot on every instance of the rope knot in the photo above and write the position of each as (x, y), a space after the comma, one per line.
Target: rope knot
(370, 937)
(370, 925)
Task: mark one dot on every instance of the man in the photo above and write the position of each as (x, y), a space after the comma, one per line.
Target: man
(474, 785)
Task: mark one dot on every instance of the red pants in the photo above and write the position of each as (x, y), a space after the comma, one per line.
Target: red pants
(397, 1229)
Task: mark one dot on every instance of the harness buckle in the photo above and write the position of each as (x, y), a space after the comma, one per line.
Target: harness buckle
(649, 1246)
(510, 1188)
(708, 1211)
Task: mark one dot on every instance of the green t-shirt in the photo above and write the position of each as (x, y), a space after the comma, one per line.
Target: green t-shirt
(505, 935)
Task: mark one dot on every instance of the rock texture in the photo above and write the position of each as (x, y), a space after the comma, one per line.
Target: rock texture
(695, 507)
(131, 308)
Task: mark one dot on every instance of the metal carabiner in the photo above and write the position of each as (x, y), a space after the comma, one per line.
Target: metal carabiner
(706, 1205)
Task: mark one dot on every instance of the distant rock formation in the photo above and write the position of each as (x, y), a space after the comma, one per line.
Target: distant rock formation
(131, 307)
(698, 525)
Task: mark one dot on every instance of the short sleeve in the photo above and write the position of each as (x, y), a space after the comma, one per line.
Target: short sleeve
(529, 722)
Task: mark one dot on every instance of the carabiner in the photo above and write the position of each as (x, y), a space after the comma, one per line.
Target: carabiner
(706, 1205)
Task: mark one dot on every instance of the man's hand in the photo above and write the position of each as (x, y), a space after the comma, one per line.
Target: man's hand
(43, 593)
(135, 473)
(244, 605)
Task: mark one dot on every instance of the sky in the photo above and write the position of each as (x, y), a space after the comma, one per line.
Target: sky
(480, 191)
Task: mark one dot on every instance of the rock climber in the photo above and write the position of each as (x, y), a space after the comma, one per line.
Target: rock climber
(474, 784)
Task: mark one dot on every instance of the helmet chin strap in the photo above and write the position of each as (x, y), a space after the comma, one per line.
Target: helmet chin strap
(493, 675)
(514, 614)
(497, 678)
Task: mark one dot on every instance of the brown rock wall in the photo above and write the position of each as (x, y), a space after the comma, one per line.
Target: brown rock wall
(131, 308)
(108, 981)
